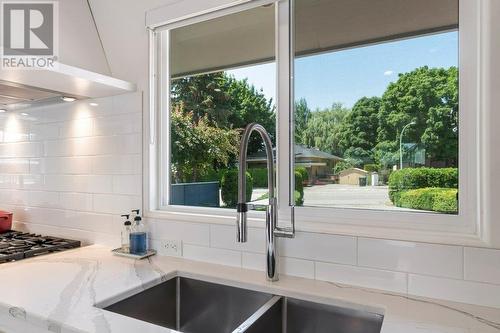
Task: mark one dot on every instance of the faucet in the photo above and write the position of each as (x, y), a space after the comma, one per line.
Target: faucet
(272, 229)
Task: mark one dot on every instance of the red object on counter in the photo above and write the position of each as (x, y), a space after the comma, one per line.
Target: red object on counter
(5, 221)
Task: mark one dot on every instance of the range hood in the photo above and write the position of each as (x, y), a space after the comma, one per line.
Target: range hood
(25, 88)
(82, 69)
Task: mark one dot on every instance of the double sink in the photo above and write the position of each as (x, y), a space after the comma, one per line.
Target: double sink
(193, 306)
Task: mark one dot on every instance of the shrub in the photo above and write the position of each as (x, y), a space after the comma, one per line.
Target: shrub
(415, 178)
(299, 189)
(229, 187)
(303, 172)
(212, 175)
(442, 200)
(371, 167)
(259, 176)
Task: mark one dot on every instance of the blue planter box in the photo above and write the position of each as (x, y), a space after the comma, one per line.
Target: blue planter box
(203, 194)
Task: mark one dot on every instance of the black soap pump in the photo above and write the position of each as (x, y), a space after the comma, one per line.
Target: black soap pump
(126, 230)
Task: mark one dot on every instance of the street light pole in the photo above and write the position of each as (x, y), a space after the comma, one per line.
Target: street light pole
(401, 144)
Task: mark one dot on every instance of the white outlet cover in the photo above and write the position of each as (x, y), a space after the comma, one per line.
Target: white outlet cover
(169, 247)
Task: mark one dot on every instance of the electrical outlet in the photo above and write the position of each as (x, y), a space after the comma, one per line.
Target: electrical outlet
(169, 247)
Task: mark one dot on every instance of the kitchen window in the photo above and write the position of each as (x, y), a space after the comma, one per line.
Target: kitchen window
(382, 98)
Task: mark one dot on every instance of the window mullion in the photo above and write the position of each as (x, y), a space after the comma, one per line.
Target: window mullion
(283, 93)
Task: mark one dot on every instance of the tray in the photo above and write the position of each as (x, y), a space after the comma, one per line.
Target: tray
(121, 253)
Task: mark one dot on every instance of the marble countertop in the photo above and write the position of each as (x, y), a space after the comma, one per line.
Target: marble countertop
(59, 293)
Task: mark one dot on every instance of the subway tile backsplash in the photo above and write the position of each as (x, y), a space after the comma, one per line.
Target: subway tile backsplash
(70, 170)
(430, 259)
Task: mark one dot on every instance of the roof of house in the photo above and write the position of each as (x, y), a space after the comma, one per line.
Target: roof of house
(301, 152)
(351, 170)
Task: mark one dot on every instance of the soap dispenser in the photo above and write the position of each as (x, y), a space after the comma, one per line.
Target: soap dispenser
(138, 235)
(126, 229)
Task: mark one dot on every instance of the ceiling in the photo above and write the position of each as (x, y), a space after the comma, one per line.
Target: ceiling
(248, 37)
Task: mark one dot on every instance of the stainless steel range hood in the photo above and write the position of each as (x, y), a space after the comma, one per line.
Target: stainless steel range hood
(14, 96)
(82, 69)
(21, 88)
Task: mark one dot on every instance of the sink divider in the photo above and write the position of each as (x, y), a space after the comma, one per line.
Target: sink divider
(257, 314)
(178, 304)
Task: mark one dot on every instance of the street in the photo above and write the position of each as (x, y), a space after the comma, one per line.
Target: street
(342, 196)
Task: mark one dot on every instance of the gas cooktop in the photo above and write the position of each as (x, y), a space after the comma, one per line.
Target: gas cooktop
(16, 245)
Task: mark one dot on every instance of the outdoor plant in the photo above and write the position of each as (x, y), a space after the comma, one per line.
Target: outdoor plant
(371, 167)
(259, 176)
(299, 188)
(416, 178)
(442, 200)
(303, 173)
(229, 187)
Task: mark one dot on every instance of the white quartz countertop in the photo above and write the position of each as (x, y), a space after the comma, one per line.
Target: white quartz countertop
(59, 293)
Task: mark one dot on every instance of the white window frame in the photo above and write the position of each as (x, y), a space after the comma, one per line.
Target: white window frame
(466, 228)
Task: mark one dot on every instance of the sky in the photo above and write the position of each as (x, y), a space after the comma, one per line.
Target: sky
(346, 76)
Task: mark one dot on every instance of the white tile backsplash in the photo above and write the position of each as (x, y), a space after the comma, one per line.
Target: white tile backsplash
(224, 237)
(287, 266)
(187, 232)
(116, 165)
(455, 290)
(76, 201)
(329, 248)
(127, 184)
(364, 277)
(70, 170)
(115, 203)
(63, 165)
(216, 256)
(297, 267)
(482, 265)
(256, 261)
(430, 259)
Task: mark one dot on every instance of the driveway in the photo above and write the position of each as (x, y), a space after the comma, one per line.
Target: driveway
(343, 196)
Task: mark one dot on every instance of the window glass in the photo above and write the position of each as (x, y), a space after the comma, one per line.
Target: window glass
(222, 77)
(376, 104)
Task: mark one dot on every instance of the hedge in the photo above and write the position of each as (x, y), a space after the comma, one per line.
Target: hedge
(229, 187)
(212, 175)
(442, 200)
(299, 189)
(259, 176)
(303, 173)
(417, 178)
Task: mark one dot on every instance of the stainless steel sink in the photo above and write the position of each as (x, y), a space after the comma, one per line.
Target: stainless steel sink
(193, 306)
(290, 315)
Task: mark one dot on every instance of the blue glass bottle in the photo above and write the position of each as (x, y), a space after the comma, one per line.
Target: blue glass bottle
(138, 236)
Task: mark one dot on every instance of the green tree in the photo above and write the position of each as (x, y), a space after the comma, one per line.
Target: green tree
(429, 97)
(358, 157)
(203, 96)
(302, 115)
(358, 132)
(225, 103)
(197, 146)
(322, 129)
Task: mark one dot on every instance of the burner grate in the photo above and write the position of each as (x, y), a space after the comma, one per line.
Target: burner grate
(16, 245)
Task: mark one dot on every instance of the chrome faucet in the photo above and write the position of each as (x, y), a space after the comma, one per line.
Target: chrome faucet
(272, 229)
